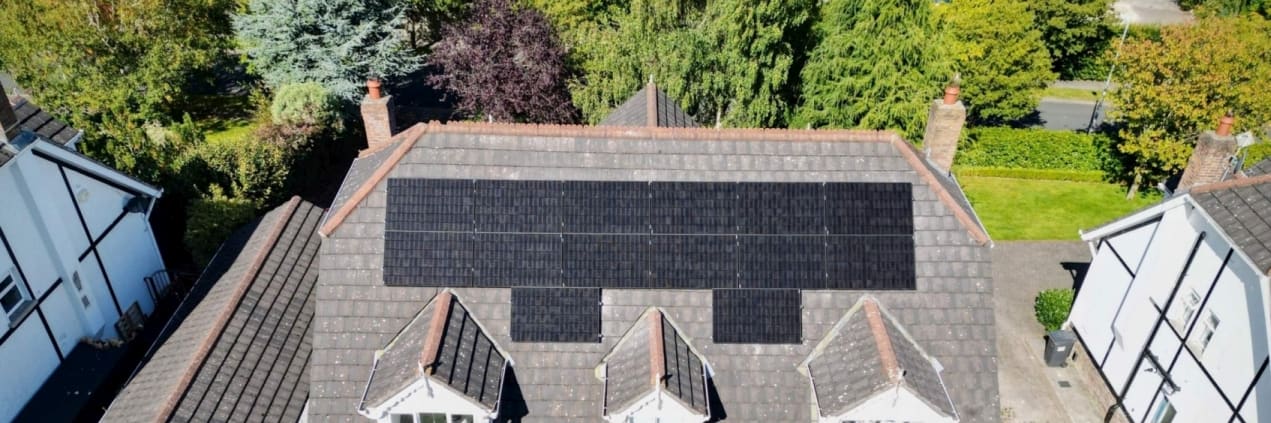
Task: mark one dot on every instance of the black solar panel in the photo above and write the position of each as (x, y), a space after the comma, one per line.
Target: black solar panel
(555, 315)
(757, 316)
(612, 234)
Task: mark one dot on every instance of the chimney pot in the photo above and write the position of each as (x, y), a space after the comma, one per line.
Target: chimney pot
(373, 88)
(1225, 124)
(951, 93)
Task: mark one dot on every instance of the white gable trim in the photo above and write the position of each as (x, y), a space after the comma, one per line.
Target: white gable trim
(427, 395)
(893, 404)
(1131, 220)
(70, 158)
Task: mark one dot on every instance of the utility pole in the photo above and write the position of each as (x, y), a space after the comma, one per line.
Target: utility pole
(1094, 115)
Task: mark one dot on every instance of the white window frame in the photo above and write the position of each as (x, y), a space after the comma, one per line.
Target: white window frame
(1191, 304)
(1209, 327)
(14, 284)
(416, 417)
(1165, 411)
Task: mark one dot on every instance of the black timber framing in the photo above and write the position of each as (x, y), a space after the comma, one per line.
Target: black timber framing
(88, 236)
(36, 305)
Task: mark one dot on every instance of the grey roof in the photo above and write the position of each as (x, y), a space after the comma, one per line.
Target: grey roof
(241, 342)
(630, 374)
(649, 101)
(850, 365)
(1243, 211)
(950, 313)
(359, 172)
(463, 357)
(32, 119)
(1261, 168)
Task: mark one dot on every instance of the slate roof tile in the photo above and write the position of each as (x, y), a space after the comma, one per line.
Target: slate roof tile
(240, 344)
(754, 384)
(1243, 211)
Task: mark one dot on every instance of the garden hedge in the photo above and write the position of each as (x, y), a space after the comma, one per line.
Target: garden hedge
(1032, 149)
(1045, 174)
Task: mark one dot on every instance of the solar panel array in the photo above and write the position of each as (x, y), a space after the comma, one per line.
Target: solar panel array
(611, 234)
(555, 315)
(757, 316)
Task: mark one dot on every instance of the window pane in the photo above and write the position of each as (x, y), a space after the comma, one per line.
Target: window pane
(403, 418)
(10, 299)
(8, 280)
(460, 418)
(432, 418)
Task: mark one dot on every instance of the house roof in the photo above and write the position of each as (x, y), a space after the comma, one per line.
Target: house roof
(240, 344)
(1261, 168)
(651, 356)
(868, 353)
(649, 107)
(33, 119)
(949, 312)
(445, 343)
(1242, 208)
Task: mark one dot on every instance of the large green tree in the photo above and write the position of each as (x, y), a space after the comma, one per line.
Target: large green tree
(1174, 88)
(877, 64)
(1075, 31)
(754, 59)
(114, 67)
(338, 43)
(999, 53)
(658, 39)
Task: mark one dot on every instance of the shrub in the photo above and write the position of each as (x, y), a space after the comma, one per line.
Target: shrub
(1257, 153)
(212, 219)
(1044, 174)
(246, 168)
(1032, 149)
(1052, 307)
(306, 104)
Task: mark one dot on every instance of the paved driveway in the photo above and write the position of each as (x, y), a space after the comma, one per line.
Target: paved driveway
(1030, 391)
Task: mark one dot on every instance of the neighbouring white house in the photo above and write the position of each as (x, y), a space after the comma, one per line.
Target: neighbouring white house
(1173, 310)
(77, 255)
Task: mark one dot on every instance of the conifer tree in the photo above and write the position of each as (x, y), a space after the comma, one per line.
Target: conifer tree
(337, 43)
(877, 65)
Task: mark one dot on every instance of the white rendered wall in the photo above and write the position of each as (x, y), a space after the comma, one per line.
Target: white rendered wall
(1238, 299)
(900, 405)
(657, 406)
(428, 396)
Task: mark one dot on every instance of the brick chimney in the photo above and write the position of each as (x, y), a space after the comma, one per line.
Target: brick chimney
(944, 127)
(1211, 159)
(377, 114)
(8, 120)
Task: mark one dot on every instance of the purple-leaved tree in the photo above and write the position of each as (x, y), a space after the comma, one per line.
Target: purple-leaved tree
(504, 62)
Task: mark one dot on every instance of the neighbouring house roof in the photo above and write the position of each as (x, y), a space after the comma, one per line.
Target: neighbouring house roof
(651, 356)
(868, 353)
(239, 345)
(445, 343)
(33, 119)
(1242, 208)
(948, 312)
(649, 107)
(1261, 168)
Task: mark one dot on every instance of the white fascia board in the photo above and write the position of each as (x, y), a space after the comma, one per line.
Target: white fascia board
(1131, 220)
(98, 169)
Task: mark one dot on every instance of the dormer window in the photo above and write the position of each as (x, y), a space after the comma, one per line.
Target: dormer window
(441, 368)
(14, 300)
(653, 375)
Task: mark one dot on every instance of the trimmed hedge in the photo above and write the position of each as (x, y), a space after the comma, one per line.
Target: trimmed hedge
(1032, 149)
(1052, 307)
(1045, 174)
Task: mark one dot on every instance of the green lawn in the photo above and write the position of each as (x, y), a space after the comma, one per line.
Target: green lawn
(231, 131)
(1071, 94)
(1028, 209)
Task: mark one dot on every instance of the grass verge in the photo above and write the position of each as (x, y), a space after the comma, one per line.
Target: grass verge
(1071, 94)
(1026, 209)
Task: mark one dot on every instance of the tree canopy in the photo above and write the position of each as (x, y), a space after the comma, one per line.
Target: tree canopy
(1000, 56)
(114, 67)
(1075, 31)
(1173, 89)
(752, 48)
(338, 43)
(504, 62)
(877, 64)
